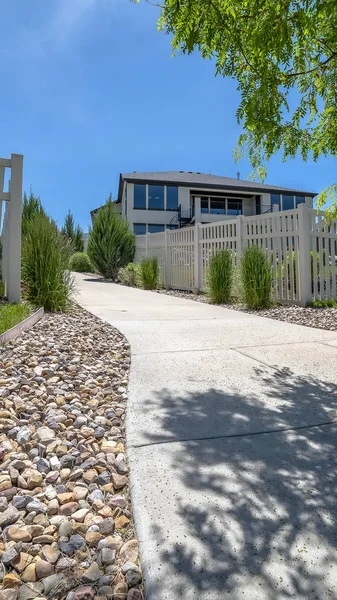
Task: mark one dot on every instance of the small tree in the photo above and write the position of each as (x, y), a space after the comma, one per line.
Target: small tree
(73, 232)
(31, 206)
(111, 244)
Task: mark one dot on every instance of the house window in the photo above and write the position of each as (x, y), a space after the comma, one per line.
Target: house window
(275, 200)
(299, 200)
(218, 206)
(171, 197)
(204, 205)
(139, 228)
(287, 202)
(156, 197)
(139, 200)
(155, 228)
(234, 207)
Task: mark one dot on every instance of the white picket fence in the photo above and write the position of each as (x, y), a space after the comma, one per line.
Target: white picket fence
(10, 223)
(301, 244)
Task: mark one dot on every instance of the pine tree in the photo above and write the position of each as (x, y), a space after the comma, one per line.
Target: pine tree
(73, 232)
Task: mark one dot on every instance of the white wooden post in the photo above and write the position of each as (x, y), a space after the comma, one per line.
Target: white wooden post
(167, 261)
(197, 210)
(4, 264)
(146, 245)
(2, 181)
(304, 250)
(197, 258)
(14, 210)
(239, 228)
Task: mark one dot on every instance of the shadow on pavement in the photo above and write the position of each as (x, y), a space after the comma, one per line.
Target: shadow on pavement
(268, 528)
(98, 280)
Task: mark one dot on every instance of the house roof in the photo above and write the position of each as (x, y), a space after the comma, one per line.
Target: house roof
(203, 180)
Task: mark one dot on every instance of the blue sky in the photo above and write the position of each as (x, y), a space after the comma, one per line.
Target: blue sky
(90, 89)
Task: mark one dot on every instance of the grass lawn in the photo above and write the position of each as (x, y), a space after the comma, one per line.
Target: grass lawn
(12, 314)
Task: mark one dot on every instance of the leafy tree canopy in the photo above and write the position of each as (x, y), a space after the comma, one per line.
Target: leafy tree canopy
(272, 48)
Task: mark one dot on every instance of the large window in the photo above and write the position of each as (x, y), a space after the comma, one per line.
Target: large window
(204, 205)
(275, 201)
(139, 196)
(299, 200)
(215, 205)
(156, 197)
(171, 197)
(218, 206)
(287, 202)
(155, 228)
(234, 207)
(139, 228)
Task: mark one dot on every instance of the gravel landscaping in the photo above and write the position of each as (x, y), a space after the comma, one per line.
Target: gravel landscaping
(321, 318)
(66, 527)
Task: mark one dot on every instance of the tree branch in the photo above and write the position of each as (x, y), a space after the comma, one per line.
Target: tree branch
(325, 62)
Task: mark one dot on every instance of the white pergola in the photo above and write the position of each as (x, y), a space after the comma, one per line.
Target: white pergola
(11, 226)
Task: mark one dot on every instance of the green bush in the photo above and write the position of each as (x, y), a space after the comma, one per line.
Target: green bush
(80, 262)
(149, 273)
(45, 259)
(328, 303)
(111, 244)
(256, 277)
(220, 276)
(129, 275)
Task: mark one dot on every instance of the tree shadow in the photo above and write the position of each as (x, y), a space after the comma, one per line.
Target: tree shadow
(260, 508)
(99, 280)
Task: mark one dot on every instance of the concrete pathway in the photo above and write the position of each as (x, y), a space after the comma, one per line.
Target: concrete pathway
(232, 435)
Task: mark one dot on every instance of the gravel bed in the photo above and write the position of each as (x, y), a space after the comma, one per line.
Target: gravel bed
(66, 529)
(321, 318)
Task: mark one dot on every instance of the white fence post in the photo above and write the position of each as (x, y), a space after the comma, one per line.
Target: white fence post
(197, 258)
(304, 251)
(239, 232)
(167, 261)
(14, 209)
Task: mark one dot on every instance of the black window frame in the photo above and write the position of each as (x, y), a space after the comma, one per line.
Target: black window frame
(137, 186)
(237, 209)
(204, 199)
(139, 225)
(212, 211)
(288, 196)
(149, 225)
(273, 201)
(172, 187)
(149, 197)
(302, 201)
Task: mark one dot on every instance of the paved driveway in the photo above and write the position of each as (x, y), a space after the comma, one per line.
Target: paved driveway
(232, 435)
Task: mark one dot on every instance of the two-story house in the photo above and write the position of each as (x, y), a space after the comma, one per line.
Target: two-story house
(152, 202)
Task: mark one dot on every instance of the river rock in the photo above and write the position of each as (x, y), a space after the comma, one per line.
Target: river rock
(43, 569)
(9, 516)
(92, 574)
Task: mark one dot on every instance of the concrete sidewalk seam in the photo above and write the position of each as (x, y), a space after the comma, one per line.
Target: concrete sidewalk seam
(284, 344)
(235, 435)
(181, 351)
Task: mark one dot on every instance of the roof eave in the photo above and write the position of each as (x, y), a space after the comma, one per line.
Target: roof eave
(213, 186)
